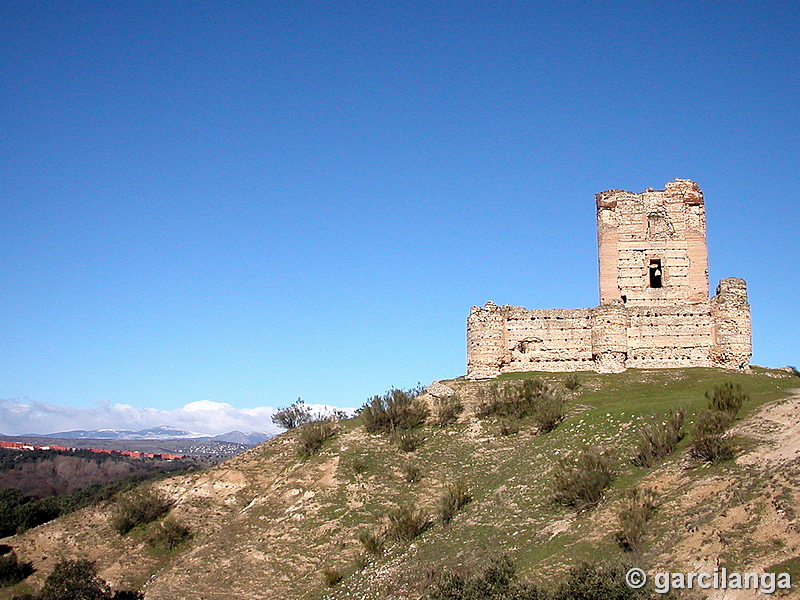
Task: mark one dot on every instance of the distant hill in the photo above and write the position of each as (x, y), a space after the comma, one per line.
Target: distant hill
(162, 432)
(270, 523)
(81, 438)
(199, 447)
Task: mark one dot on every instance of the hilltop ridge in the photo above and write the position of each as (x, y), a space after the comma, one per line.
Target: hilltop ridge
(268, 522)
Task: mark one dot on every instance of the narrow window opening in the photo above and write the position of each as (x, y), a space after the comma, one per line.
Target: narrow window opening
(624, 298)
(655, 272)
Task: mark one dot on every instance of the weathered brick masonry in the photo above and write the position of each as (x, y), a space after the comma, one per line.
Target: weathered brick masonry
(654, 307)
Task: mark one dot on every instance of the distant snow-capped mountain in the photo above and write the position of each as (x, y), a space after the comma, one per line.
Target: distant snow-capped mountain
(162, 432)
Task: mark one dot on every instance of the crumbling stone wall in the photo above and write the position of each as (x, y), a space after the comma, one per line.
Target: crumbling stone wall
(638, 324)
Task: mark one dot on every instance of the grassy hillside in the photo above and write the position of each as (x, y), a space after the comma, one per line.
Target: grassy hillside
(268, 523)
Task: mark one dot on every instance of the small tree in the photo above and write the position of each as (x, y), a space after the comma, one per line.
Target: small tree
(292, 416)
(78, 580)
(396, 409)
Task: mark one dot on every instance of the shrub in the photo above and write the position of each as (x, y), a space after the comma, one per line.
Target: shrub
(11, 570)
(598, 582)
(549, 411)
(447, 409)
(169, 534)
(332, 576)
(74, 579)
(411, 472)
(658, 439)
(516, 398)
(294, 415)
(373, 544)
(521, 399)
(709, 441)
(455, 497)
(312, 435)
(508, 428)
(408, 442)
(572, 382)
(406, 523)
(637, 507)
(139, 507)
(580, 480)
(361, 561)
(727, 397)
(396, 409)
(360, 465)
(498, 581)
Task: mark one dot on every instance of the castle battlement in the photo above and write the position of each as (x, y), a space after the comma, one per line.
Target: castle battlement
(654, 307)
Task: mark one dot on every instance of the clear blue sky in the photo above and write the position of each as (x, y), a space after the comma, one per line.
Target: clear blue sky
(247, 202)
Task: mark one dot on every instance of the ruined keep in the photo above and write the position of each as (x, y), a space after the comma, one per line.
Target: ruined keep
(654, 307)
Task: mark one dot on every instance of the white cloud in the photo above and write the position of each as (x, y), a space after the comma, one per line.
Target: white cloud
(20, 416)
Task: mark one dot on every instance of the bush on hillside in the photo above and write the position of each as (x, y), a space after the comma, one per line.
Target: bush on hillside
(78, 580)
(497, 581)
(727, 397)
(446, 410)
(637, 508)
(360, 465)
(572, 382)
(294, 415)
(11, 570)
(709, 442)
(530, 397)
(408, 441)
(598, 581)
(332, 576)
(411, 472)
(373, 543)
(169, 534)
(139, 507)
(549, 410)
(312, 436)
(406, 523)
(395, 410)
(580, 480)
(658, 439)
(455, 497)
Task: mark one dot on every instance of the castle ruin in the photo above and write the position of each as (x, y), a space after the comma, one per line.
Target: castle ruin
(654, 307)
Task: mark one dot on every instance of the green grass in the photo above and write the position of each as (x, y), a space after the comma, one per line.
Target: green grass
(510, 476)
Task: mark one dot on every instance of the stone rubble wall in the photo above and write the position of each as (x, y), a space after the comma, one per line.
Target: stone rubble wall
(608, 338)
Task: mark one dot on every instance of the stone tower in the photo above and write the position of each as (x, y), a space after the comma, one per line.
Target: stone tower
(654, 307)
(652, 246)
